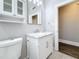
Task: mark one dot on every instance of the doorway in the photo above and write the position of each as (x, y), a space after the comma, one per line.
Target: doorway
(68, 26)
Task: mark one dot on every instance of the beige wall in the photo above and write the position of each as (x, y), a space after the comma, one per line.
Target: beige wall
(69, 22)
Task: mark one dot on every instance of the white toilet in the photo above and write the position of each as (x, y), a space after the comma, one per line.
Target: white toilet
(10, 49)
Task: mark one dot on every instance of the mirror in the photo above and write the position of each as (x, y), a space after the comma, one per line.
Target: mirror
(34, 12)
(34, 19)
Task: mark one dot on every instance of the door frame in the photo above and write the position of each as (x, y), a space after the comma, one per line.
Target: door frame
(57, 21)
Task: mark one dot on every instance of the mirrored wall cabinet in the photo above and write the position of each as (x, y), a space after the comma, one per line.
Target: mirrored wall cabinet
(35, 18)
(13, 11)
(34, 12)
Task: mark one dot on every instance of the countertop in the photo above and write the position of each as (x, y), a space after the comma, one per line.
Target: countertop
(39, 34)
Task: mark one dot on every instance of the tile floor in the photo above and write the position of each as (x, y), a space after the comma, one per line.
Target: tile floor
(58, 55)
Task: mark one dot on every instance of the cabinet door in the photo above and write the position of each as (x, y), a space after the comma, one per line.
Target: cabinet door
(8, 7)
(50, 44)
(43, 48)
(32, 48)
(20, 7)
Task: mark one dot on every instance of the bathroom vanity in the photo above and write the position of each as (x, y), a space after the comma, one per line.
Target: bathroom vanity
(39, 45)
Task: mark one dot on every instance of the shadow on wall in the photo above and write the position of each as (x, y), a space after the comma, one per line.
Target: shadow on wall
(24, 48)
(69, 22)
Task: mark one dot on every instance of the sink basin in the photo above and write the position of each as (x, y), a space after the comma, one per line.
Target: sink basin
(39, 34)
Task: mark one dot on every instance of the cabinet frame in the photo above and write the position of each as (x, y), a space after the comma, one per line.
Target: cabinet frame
(16, 11)
(38, 18)
(5, 12)
(37, 47)
(13, 15)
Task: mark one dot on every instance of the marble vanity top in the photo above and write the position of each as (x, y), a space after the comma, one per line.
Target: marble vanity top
(39, 34)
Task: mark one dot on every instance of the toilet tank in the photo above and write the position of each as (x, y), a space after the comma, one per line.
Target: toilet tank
(10, 49)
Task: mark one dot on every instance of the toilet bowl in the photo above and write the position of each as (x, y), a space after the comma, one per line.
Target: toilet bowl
(10, 49)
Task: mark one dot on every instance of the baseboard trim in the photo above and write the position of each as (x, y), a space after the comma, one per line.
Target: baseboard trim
(69, 42)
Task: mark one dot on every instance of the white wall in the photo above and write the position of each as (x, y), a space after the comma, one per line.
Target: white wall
(31, 5)
(50, 18)
(51, 13)
(8, 30)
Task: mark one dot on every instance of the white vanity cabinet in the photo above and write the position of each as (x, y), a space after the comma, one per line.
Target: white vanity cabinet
(39, 45)
(15, 10)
